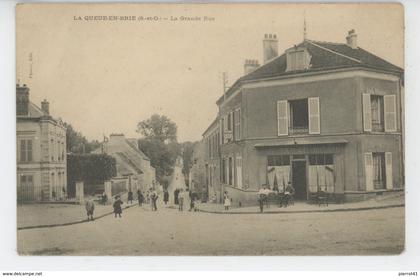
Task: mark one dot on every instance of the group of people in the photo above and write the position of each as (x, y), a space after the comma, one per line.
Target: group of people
(181, 196)
(285, 198)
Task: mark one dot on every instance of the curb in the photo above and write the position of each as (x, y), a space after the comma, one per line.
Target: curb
(304, 211)
(69, 223)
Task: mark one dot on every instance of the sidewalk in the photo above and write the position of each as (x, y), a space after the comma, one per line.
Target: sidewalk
(49, 215)
(303, 207)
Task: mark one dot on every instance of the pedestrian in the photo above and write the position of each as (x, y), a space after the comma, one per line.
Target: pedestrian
(226, 201)
(140, 197)
(104, 198)
(130, 197)
(148, 197)
(117, 206)
(154, 196)
(90, 207)
(176, 193)
(180, 200)
(262, 197)
(288, 194)
(166, 197)
(192, 198)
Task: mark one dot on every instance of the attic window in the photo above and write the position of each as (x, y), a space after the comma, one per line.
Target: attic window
(298, 59)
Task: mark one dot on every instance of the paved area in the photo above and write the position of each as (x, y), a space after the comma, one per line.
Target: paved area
(379, 202)
(29, 215)
(169, 232)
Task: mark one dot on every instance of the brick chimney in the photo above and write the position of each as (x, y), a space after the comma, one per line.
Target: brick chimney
(22, 100)
(250, 65)
(270, 47)
(352, 39)
(45, 106)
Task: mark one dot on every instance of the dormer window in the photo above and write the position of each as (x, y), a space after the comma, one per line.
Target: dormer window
(298, 59)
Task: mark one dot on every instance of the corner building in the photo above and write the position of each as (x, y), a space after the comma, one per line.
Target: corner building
(324, 116)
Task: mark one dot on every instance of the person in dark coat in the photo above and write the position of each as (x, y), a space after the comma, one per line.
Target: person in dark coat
(154, 197)
(130, 197)
(289, 192)
(176, 193)
(140, 197)
(166, 197)
(117, 206)
(90, 207)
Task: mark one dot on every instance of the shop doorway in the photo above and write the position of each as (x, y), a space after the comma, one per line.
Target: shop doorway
(299, 179)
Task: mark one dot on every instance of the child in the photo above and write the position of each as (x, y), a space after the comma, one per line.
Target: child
(227, 202)
(90, 207)
(117, 206)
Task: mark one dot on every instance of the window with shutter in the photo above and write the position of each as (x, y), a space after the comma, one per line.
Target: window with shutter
(369, 171)
(314, 119)
(282, 118)
(367, 116)
(239, 171)
(388, 165)
(390, 113)
(237, 128)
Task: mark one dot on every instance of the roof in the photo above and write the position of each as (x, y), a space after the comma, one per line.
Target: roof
(325, 56)
(301, 142)
(215, 121)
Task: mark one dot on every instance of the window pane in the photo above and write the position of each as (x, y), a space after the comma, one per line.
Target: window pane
(320, 159)
(22, 179)
(286, 160)
(329, 159)
(271, 161)
(278, 160)
(312, 159)
(23, 150)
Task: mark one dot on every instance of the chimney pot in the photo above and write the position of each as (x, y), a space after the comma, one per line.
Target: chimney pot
(45, 106)
(270, 47)
(250, 65)
(351, 39)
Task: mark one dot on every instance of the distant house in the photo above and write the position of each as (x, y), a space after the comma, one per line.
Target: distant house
(324, 116)
(132, 163)
(41, 151)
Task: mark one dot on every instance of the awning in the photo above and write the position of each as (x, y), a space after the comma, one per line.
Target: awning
(302, 142)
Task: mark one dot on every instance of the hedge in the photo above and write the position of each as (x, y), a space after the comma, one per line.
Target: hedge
(92, 169)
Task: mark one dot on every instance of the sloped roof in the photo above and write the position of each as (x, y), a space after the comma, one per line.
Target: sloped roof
(324, 56)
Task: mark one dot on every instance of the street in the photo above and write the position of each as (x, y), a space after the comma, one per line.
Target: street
(169, 232)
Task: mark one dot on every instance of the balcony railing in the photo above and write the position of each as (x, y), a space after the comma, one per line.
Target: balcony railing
(298, 130)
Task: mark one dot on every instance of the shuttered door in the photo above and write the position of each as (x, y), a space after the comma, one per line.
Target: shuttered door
(388, 168)
(367, 113)
(369, 171)
(390, 113)
(313, 110)
(239, 171)
(282, 118)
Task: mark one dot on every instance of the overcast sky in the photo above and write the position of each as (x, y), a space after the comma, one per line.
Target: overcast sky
(105, 76)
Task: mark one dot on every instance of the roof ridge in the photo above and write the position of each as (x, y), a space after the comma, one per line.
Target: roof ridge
(337, 53)
(327, 42)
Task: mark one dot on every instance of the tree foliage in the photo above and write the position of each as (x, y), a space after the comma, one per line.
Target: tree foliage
(92, 169)
(77, 143)
(187, 149)
(158, 128)
(159, 143)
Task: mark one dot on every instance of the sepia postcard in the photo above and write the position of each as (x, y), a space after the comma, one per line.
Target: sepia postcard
(210, 129)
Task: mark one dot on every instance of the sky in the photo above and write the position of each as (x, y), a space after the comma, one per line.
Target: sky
(104, 77)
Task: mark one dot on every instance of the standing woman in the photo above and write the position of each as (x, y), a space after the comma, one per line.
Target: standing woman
(117, 206)
(166, 197)
(140, 197)
(226, 201)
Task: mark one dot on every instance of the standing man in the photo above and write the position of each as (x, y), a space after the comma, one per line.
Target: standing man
(154, 198)
(181, 200)
(140, 197)
(130, 197)
(262, 197)
(90, 207)
(166, 196)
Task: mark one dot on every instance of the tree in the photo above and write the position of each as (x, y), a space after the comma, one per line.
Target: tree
(159, 143)
(187, 149)
(158, 127)
(77, 143)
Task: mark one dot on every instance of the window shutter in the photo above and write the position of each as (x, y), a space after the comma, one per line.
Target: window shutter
(369, 171)
(282, 118)
(313, 111)
(388, 169)
(390, 112)
(239, 171)
(367, 113)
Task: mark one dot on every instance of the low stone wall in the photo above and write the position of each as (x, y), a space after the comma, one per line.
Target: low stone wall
(242, 197)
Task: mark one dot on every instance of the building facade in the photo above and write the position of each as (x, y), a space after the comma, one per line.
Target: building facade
(132, 163)
(323, 116)
(41, 151)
